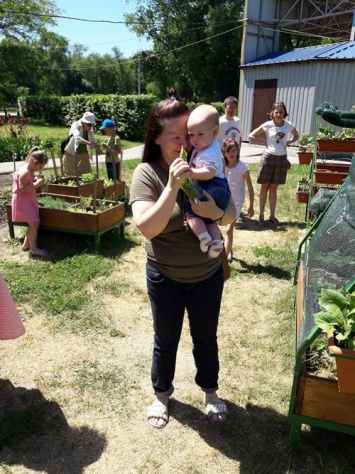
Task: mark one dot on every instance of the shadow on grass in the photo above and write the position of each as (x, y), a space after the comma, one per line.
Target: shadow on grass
(258, 438)
(34, 433)
(61, 245)
(259, 269)
(252, 224)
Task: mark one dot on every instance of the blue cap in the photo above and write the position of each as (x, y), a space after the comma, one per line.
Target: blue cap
(107, 124)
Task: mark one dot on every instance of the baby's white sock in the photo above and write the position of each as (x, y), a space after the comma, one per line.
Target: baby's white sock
(205, 241)
(215, 249)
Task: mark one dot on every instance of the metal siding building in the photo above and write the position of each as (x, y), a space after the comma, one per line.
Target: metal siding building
(304, 79)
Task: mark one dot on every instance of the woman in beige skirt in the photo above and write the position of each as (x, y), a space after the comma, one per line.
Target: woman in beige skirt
(82, 137)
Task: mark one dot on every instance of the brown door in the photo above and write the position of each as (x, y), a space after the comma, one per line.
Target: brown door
(264, 97)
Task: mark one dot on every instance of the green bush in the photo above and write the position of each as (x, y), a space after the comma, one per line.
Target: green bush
(129, 112)
(14, 139)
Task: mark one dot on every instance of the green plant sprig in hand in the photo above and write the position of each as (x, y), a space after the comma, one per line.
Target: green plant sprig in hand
(190, 185)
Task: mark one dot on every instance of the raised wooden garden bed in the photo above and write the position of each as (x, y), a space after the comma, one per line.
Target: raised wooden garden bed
(109, 191)
(76, 222)
(83, 189)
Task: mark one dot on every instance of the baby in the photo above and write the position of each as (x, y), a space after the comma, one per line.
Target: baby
(207, 166)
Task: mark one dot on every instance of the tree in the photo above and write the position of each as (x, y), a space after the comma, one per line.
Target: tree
(21, 19)
(291, 41)
(193, 50)
(106, 74)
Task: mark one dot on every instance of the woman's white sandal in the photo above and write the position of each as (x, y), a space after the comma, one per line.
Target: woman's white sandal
(158, 411)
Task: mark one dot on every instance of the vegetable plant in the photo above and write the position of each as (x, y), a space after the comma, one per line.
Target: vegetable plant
(326, 133)
(303, 184)
(190, 185)
(306, 144)
(87, 177)
(338, 317)
(49, 202)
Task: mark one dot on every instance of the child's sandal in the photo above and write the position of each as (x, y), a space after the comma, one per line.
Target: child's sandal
(38, 253)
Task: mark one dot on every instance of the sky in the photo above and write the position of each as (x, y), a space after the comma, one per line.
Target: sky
(99, 37)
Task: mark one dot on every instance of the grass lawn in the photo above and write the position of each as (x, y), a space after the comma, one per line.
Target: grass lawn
(81, 375)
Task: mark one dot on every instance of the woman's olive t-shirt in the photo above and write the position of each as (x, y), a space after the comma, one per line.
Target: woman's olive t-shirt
(175, 252)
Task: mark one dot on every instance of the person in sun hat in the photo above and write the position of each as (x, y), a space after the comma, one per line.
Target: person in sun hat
(81, 138)
(113, 148)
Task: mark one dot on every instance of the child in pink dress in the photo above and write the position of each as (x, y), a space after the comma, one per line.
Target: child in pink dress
(24, 199)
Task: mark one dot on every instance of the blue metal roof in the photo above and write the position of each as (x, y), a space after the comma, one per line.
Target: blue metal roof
(329, 51)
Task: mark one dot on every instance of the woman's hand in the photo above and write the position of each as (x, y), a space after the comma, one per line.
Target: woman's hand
(178, 171)
(210, 210)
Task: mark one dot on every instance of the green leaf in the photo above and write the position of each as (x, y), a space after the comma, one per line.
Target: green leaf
(192, 188)
(325, 321)
(183, 154)
(331, 300)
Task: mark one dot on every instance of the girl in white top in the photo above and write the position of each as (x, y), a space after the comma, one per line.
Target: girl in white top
(237, 174)
(277, 134)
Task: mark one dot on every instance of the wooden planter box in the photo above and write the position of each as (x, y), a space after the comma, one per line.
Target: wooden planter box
(345, 362)
(333, 145)
(329, 177)
(109, 191)
(76, 222)
(304, 158)
(302, 196)
(84, 190)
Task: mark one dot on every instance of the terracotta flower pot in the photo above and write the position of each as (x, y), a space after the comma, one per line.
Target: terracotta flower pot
(345, 362)
(302, 196)
(304, 158)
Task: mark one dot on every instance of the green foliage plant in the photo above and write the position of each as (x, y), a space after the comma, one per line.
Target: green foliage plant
(14, 138)
(87, 177)
(129, 112)
(306, 144)
(338, 317)
(326, 133)
(303, 184)
(48, 202)
(190, 185)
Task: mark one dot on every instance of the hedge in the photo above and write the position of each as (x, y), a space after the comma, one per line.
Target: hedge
(129, 112)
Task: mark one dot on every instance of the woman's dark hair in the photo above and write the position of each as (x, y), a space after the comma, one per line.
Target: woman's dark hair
(274, 106)
(169, 108)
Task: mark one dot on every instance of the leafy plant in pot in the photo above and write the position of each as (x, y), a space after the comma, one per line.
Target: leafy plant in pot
(329, 140)
(305, 149)
(302, 192)
(338, 321)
